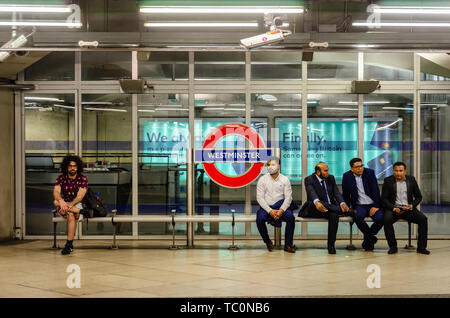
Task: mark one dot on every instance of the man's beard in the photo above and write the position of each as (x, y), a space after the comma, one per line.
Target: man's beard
(72, 173)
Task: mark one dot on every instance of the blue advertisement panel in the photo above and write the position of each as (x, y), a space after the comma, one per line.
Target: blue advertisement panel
(335, 141)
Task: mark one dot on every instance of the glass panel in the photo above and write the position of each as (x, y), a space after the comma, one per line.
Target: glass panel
(49, 136)
(276, 65)
(435, 184)
(211, 198)
(106, 135)
(434, 67)
(101, 66)
(388, 136)
(163, 65)
(56, 66)
(333, 66)
(389, 66)
(219, 65)
(163, 140)
(277, 117)
(333, 139)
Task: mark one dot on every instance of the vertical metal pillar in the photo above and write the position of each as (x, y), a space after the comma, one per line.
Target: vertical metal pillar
(134, 148)
(190, 162)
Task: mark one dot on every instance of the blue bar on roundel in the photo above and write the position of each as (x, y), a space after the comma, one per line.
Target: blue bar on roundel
(232, 155)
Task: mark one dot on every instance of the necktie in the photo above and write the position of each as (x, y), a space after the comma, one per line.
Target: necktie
(326, 192)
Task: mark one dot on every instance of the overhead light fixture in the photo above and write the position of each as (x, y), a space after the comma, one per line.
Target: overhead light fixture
(365, 45)
(369, 102)
(339, 108)
(213, 108)
(34, 8)
(399, 108)
(97, 103)
(403, 24)
(267, 98)
(146, 110)
(106, 109)
(39, 23)
(49, 99)
(222, 9)
(288, 109)
(201, 24)
(172, 109)
(412, 10)
(389, 125)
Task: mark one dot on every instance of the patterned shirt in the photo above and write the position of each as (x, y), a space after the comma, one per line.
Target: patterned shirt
(70, 187)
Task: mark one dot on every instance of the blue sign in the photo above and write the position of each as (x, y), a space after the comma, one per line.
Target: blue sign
(232, 155)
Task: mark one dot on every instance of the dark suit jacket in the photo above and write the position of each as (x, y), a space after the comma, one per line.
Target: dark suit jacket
(315, 191)
(350, 189)
(389, 192)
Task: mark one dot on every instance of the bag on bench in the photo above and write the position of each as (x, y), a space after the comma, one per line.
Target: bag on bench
(92, 202)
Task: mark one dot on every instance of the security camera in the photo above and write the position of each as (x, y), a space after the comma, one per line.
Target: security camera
(273, 36)
(138, 86)
(265, 38)
(12, 44)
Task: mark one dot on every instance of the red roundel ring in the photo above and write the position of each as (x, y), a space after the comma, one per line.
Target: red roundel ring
(252, 173)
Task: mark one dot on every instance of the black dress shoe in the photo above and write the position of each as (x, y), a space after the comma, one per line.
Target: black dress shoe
(332, 250)
(423, 251)
(392, 250)
(269, 246)
(289, 248)
(374, 240)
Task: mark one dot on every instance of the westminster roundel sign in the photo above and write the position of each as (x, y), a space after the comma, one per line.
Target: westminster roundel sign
(257, 154)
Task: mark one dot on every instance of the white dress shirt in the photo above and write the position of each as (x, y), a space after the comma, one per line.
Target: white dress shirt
(363, 198)
(270, 190)
(402, 194)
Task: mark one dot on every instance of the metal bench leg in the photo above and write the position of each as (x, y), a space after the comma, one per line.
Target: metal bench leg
(114, 245)
(409, 245)
(232, 247)
(54, 235)
(277, 239)
(173, 247)
(351, 247)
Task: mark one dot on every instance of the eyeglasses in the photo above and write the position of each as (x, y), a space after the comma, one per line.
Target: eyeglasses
(74, 166)
(357, 167)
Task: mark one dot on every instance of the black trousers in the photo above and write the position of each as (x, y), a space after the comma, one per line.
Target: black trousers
(414, 216)
(334, 211)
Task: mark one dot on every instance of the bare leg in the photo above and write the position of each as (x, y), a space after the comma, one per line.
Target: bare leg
(72, 217)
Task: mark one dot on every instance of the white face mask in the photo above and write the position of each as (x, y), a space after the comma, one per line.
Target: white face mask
(272, 170)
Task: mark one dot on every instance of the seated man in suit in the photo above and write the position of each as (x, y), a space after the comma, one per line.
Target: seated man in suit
(361, 193)
(274, 195)
(400, 197)
(324, 201)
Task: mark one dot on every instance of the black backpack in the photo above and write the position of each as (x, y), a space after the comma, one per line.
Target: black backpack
(93, 202)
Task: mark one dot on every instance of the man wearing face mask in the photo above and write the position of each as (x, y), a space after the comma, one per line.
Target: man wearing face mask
(274, 195)
(324, 201)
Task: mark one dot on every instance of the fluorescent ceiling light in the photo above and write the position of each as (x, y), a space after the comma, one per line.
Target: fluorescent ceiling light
(219, 9)
(403, 24)
(201, 24)
(97, 103)
(338, 108)
(365, 45)
(146, 110)
(391, 124)
(50, 99)
(172, 109)
(34, 8)
(365, 103)
(106, 109)
(267, 98)
(288, 109)
(37, 23)
(413, 10)
(399, 108)
(214, 108)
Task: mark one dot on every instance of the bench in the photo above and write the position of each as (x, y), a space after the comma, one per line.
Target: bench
(114, 219)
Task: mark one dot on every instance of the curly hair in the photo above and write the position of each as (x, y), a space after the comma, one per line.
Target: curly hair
(66, 161)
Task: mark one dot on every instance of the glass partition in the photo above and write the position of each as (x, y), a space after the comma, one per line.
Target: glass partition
(163, 65)
(163, 140)
(49, 136)
(389, 66)
(219, 65)
(103, 66)
(434, 67)
(56, 66)
(434, 155)
(333, 66)
(106, 136)
(276, 66)
(332, 137)
(211, 111)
